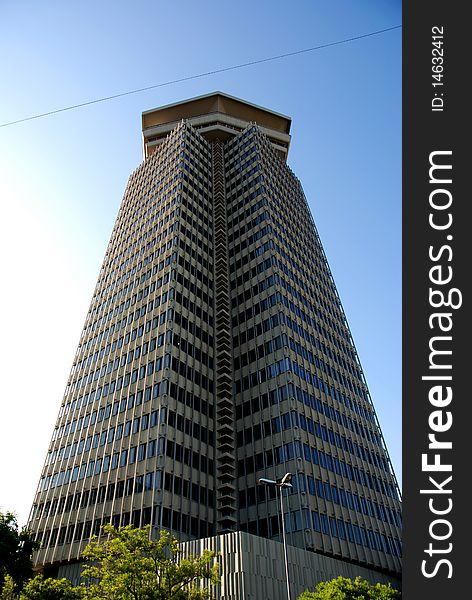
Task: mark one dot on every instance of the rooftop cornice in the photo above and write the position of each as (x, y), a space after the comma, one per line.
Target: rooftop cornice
(215, 115)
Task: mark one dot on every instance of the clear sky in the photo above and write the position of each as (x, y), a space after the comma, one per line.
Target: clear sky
(62, 177)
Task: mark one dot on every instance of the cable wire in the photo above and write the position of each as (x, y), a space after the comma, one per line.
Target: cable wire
(200, 75)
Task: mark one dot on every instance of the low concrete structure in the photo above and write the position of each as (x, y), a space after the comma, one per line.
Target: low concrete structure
(252, 567)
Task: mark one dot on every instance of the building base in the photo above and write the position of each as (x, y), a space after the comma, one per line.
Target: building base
(253, 568)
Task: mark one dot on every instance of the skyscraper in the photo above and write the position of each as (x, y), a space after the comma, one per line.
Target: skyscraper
(216, 352)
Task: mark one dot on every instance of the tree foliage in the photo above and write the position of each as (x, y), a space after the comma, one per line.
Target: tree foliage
(127, 565)
(350, 589)
(40, 588)
(131, 566)
(8, 588)
(16, 549)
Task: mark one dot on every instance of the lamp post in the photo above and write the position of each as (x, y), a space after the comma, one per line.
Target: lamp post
(283, 483)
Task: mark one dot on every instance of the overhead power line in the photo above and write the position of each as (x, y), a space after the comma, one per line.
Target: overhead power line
(200, 75)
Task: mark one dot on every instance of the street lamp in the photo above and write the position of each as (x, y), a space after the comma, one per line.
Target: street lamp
(283, 483)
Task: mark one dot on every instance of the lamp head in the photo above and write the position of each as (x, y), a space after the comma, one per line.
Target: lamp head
(264, 481)
(286, 479)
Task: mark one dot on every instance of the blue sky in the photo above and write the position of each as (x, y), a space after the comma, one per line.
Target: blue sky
(62, 177)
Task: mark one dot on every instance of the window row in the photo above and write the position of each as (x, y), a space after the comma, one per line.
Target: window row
(184, 346)
(127, 456)
(206, 264)
(195, 289)
(179, 487)
(265, 374)
(136, 298)
(194, 308)
(191, 458)
(127, 358)
(203, 230)
(308, 283)
(194, 271)
(104, 413)
(246, 335)
(98, 495)
(304, 333)
(252, 380)
(199, 405)
(250, 239)
(190, 428)
(326, 350)
(249, 256)
(152, 199)
(103, 335)
(263, 460)
(250, 208)
(299, 520)
(295, 419)
(233, 180)
(306, 483)
(175, 520)
(279, 394)
(102, 290)
(193, 329)
(260, 351)
(273, 280)
(336, 325)
(151, 272)
(192, 374)
(243, 229)
(129, 378)
(110, 435)
(196, 239)
(190, 203)
(258, 288)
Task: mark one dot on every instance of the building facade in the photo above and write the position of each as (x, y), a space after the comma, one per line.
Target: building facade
(216, 352)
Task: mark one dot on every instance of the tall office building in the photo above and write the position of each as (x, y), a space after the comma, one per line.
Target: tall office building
(216, 352)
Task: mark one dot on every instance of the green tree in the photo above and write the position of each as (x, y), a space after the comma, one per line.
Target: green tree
(16, 549)
(40, 588)
(350, 589)
(131, 566)
(8, 589)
